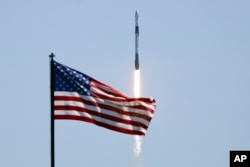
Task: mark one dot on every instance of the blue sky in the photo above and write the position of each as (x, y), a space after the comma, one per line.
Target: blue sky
(194, 58)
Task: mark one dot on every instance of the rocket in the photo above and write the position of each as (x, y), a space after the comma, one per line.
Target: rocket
(136, 40)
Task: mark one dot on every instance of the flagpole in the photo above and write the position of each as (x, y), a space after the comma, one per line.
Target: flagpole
(52, 129)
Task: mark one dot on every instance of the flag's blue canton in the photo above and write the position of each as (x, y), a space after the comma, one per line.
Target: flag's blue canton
(68, 79)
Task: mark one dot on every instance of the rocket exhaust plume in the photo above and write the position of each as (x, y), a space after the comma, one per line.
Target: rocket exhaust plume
(138, 139)
(137, 88)
(137, 145)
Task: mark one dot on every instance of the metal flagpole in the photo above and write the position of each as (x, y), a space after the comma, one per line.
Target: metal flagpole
(52, 131)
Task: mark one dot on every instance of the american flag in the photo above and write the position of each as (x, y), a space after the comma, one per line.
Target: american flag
(77, 96)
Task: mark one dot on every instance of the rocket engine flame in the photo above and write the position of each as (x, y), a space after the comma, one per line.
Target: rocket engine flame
(137, 90)
(137, 83)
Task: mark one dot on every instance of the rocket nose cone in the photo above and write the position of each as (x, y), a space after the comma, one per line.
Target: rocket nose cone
(136, 13)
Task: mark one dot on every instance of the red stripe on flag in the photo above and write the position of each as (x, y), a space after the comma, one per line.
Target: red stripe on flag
(101, 115)
(108, 107)
(117, 129)
(107, 89)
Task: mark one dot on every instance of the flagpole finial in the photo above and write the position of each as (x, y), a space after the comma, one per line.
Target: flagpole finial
(52, 56)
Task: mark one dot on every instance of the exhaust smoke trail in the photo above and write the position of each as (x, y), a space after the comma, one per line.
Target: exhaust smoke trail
(137, 89)
(137, 145)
